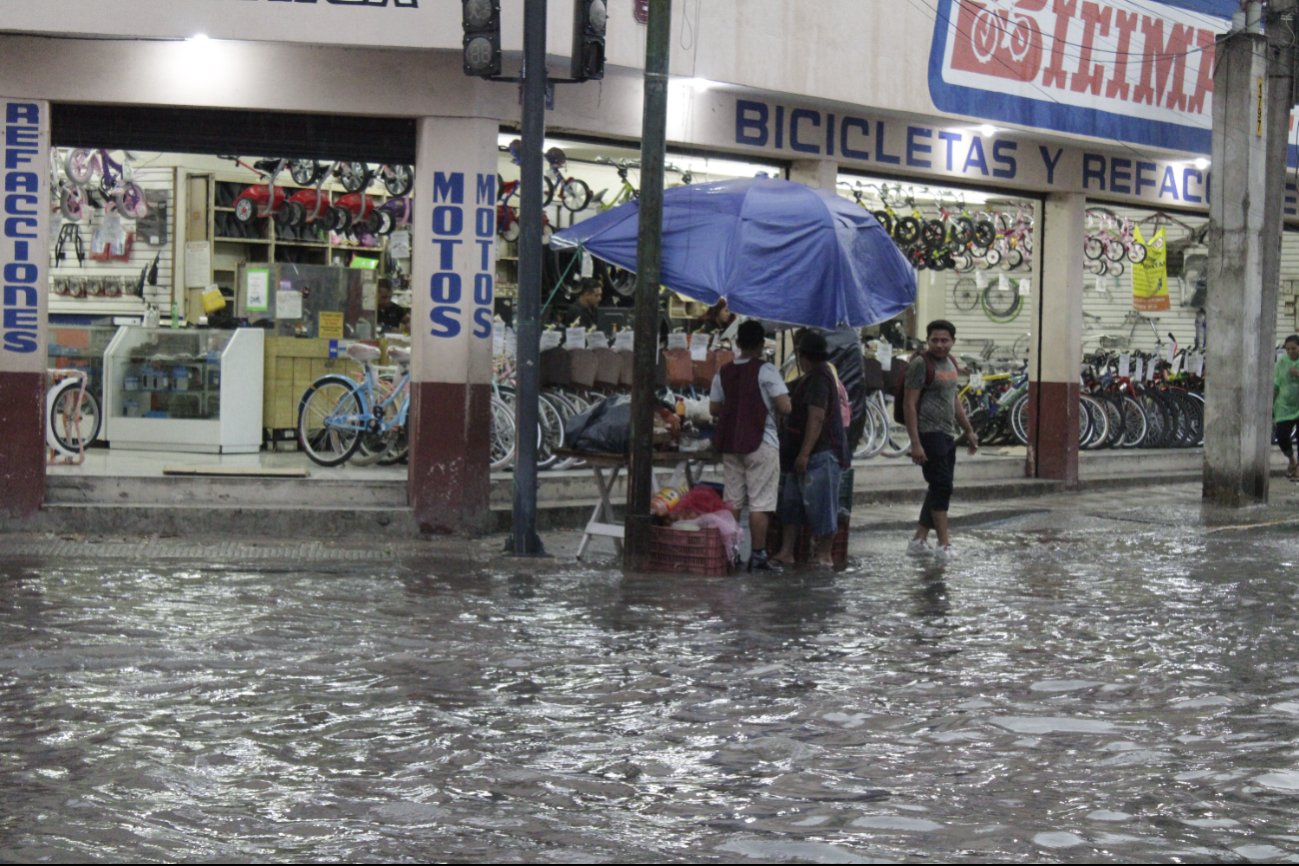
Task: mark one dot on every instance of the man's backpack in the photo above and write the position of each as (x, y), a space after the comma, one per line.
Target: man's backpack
(900, 387)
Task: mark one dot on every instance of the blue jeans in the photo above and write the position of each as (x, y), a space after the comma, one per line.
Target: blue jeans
(812, 499)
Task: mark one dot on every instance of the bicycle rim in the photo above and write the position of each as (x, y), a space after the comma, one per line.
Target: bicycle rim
(331, 418)
(74, 423)
(398, 180)
(502, 438)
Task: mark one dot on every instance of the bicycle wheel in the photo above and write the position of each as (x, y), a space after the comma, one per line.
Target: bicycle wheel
(550, 436)
(354, 176)
(1000, 305)
(79, 166)
(73, 416)
(906, 230)
(72, 203)
(502, 438)
(305, 172)
(1135, 425)
(874, 433)
(1019, 419)
(965, 294)
(575, 195)
(331, 419)
(1098, 426)
(130, 200)
(399, 180)
(622, 283)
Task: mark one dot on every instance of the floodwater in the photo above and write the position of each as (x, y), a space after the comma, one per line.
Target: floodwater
(1070, 690)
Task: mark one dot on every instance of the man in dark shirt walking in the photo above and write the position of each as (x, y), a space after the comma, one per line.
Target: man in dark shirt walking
(932, 412)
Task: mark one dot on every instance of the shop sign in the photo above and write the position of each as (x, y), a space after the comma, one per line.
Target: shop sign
(1140, 73)
(963, 153)
(467, 226)
(24, 238)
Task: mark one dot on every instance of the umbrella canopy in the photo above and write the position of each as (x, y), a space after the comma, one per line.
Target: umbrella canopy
(774, 249)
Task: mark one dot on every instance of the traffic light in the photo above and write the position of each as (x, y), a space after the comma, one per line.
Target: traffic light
(482, 46)
(589, 19)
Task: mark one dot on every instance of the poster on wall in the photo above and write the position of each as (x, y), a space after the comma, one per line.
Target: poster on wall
(1150, 276)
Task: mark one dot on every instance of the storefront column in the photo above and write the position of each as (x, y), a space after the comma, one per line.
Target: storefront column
(454, 272)
(1055, 365)
(24, 255)
(816, 173)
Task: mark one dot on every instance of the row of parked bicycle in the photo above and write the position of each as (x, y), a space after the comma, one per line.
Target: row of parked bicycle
(1137, 400)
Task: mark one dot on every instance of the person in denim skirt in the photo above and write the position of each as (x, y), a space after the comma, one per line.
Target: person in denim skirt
(813, 455)
(932, 412)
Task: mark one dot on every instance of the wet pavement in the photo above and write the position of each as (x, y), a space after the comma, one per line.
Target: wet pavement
(1102, 677)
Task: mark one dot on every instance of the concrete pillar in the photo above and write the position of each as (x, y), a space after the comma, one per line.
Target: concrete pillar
(454, 271)
(24, 331)
(1244, 261)
(1055, 362)
(931, 299)
(816, 173)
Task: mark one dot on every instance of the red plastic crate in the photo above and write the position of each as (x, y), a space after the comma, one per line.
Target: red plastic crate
(687, 551)
(803, 548)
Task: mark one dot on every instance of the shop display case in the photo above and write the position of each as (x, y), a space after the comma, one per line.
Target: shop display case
(81, 347)
(184, 390)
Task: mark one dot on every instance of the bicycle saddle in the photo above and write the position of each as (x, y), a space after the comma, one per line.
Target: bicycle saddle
(400, 354)
(362, 352)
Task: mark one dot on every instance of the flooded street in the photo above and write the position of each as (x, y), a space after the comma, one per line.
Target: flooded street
(1073, 689)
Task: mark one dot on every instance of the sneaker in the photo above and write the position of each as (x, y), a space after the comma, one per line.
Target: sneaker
(918, 547)
(764, 564)
(944, 553)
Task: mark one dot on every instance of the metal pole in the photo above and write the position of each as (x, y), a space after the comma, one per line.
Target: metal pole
(648, 250)
(525, 541)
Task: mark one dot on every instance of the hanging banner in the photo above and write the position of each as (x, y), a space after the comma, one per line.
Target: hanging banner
(1150, 277)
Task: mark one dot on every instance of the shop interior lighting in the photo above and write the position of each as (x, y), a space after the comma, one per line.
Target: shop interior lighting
(699, 84)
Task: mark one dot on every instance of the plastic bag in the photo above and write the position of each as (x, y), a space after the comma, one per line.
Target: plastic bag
(603, 429)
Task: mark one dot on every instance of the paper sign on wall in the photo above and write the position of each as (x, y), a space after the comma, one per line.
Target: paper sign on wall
(198, 264)
(575, 338)
(288, 304)
(331, 325)
(258, 299)
(884, 354)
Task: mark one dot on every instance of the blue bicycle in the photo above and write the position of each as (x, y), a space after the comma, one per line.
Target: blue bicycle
(341, 418)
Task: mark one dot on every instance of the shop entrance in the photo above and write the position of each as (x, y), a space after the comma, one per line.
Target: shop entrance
(176, 227)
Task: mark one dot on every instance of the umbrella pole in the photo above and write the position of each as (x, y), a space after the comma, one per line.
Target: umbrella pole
(648, 252)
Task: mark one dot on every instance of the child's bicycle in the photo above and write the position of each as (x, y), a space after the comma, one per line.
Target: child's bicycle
(571, 192)
(115, 183)
(626, 192)
(339, 416)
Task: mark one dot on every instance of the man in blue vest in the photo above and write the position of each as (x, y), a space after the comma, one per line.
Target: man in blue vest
(746, 397)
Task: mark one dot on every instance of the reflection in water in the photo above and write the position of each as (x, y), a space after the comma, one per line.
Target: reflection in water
(1071, 694)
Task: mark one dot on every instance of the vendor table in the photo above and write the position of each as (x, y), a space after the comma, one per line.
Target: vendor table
(607, 468)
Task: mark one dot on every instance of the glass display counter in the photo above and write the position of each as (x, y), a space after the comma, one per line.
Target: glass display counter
(81, 347)
(184, 390)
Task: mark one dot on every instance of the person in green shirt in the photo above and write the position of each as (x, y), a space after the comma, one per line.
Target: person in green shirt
(1285, 402)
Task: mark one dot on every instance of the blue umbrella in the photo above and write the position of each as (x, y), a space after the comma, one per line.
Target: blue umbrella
(774, 249)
